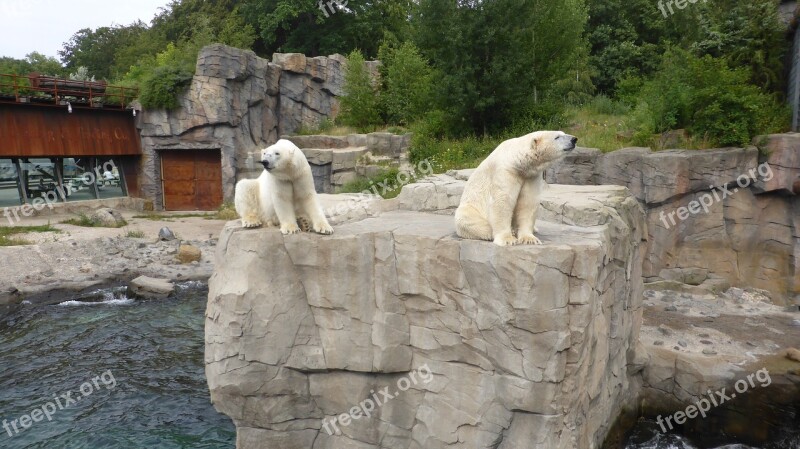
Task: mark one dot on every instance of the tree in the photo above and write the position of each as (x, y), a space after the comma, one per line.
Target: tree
(359, 102)
(748, 34)
(498, 59)
(627, 38)
(98, 50)
(407, 81)
(322, 28)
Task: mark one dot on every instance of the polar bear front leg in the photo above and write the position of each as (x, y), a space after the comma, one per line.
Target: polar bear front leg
(309, 204)
(284, 207)
(525, 211)
(501, 209)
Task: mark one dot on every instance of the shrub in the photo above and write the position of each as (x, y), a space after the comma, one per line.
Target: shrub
(360, 101)
(708, 98)
(407, 84)
(161, 88)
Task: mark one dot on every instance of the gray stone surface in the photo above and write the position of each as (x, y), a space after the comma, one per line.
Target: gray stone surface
(338, 160)
(238, 103)
(526, 347)
(748, 236)
(150, 288)
(107, 217)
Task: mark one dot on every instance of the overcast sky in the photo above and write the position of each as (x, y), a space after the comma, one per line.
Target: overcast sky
(44, 25)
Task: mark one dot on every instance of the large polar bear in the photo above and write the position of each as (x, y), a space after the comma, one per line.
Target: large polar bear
(501, 197)
(284, 193)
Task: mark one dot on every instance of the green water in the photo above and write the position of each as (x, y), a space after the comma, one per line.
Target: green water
(143, 361)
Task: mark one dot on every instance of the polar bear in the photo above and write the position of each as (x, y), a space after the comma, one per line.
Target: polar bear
(284, 193)
(501, 197)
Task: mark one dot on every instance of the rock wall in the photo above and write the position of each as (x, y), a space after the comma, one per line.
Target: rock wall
(746, 234)
(239, 103)
(337, 160)
(523, 347)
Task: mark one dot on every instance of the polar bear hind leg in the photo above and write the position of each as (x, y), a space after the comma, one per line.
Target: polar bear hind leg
(248, 203)
(470, 224)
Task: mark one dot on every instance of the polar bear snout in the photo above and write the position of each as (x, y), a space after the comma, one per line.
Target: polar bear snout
(567, 142)
(267, 165)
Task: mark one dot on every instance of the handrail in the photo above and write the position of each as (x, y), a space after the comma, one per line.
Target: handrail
(49, 89)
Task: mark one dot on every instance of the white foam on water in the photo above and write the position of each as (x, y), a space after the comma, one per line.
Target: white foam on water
(109, 299)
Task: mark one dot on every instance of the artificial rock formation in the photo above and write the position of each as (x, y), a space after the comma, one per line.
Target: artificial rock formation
(338, 160)
(526, 347)
(746, 236)
(238, 103)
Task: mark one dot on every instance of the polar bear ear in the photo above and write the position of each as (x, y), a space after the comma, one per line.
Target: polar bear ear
(535, 141)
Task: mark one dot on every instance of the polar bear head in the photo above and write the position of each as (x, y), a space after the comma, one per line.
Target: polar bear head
(540, 148)
(280, 157)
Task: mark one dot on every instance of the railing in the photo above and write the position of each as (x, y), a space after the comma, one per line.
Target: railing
(42, 89)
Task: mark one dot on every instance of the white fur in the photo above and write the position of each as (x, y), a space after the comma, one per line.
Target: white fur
(501, 197)
(282, 194)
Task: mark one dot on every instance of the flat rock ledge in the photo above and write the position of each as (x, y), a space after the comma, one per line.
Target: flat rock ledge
(478, 345)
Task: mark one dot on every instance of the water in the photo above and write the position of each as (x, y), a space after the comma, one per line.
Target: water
(647, 435)
(143, 361)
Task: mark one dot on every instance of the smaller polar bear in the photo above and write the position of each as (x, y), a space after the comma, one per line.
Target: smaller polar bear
(501, 197)
(284, 193)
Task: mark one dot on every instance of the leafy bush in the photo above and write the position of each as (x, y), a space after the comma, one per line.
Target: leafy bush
(161, 87)
(407, 84)
(446, 154)
(709, 99)
(360, 100)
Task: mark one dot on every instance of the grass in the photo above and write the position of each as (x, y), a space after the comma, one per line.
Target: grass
(87, 222)
(330, 128)
(609, 125)
(135, 234)
(155, 216)
(225, 212)
(7, 233)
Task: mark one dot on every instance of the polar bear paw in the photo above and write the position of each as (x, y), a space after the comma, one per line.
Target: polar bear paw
(323, 228)
(304, 224)
(528, 239)
(505, 240)
(289, 228)
(250, 221)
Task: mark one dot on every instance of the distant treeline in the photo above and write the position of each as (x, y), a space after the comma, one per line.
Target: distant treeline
(486, 66)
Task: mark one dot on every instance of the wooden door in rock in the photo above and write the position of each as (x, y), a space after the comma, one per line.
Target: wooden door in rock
(191, 179)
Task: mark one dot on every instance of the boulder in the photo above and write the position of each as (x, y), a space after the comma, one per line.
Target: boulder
(189, 254)
(108, 217)
(166, 234)
(150, 288)
(476, 344)
(782, 154)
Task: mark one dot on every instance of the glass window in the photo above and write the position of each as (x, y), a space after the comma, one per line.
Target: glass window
(109, 181)
(9, 184)
(78, 178)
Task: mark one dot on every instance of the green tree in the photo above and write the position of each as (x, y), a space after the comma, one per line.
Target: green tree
(314, 28)
(360, 101)
(98, 50)
(498, 60)
(748, 34)
(407, 82)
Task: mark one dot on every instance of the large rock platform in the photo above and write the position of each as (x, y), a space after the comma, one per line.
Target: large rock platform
(525, 347)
